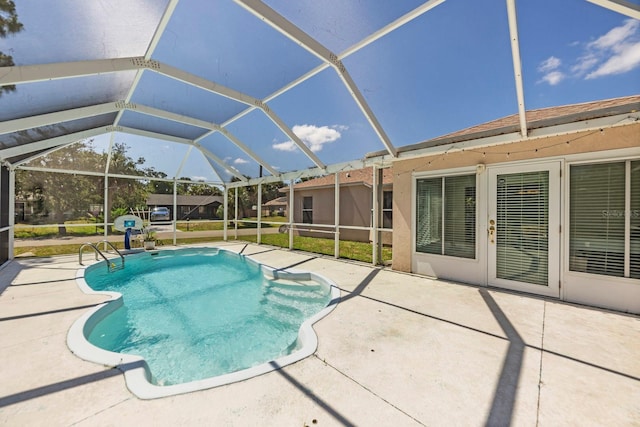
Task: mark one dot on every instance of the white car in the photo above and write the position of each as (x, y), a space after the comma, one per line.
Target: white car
(160, 214)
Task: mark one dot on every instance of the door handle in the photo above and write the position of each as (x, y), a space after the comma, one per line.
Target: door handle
(492, 234)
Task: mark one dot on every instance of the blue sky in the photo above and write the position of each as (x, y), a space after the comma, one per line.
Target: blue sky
(446, 70)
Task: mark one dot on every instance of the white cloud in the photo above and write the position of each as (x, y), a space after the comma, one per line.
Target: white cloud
(549, 64)
(554, 77)
(240, 161)
(616, 36)
(314, 137)
(616, 52)
(285, 146)
(584, 64)
(198, 178)
(626, 59)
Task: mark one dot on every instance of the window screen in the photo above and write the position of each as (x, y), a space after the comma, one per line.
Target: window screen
(446, 216)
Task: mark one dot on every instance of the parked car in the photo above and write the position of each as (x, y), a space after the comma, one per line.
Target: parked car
(160, 214)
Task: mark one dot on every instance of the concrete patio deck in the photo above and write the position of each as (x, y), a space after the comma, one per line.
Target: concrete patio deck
(398, 350)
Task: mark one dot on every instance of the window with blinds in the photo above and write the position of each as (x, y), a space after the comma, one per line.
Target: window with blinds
(522, 218)
(634, 222)
(604, 222)
(446, 216)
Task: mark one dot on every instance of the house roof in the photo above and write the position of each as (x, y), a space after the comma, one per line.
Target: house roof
(182, 200)
(280, 201)
(536, 119)
(353, 177)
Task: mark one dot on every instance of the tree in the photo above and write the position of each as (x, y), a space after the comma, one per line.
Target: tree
(248, 197)
(9, 24)
(197, 188)
(61, 195)
(125, 193)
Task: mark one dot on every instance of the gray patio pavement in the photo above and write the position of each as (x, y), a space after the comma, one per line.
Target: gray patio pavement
(398, 350)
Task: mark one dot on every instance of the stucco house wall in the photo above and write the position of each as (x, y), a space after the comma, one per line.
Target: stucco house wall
(588, 142)
(355, 210)
(356, 203)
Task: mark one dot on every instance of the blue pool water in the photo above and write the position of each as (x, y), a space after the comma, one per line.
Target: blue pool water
(200, 313)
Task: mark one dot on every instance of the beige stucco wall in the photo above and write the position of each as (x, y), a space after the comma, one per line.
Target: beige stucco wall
(355, 210)
(609, 139)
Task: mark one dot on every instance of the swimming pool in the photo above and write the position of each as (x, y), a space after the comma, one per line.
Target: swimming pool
(172, 331)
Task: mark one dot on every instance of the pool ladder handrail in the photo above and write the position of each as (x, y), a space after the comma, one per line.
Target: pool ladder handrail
(110, 265)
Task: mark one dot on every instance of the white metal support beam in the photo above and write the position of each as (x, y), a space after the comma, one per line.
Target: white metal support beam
(291, 213)
(202, 124)
(155, 135)
(621, 6)
(408, 17)
(231, 137)
(221, 162)
(25, 123)
(235, 213)
(204, 151)
(105, 201)
(63, 70)
(375, 204)
(12, 210)
(210, 86)
(225, 209)
(164, 21)
(162, 26)
(53, 142)
(517, 64)
(184, 160)
(36, 73)
(259, 229)
(25, 160)
(336, 215)
(175, 211)
(281, 24)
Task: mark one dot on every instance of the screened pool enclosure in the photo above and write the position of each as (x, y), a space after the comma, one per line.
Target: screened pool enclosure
(104, 103)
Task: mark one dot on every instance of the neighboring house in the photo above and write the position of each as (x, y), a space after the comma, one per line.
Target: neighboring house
(314, 203)
(555, 213)
(275, 207)
(188, 207)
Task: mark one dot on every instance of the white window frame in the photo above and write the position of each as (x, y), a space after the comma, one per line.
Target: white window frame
(414, 208)
(627, 239)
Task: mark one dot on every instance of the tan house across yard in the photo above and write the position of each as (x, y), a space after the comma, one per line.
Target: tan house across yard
(275, 207)
(314, 203)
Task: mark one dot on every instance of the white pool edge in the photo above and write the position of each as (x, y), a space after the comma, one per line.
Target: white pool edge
(136, 372)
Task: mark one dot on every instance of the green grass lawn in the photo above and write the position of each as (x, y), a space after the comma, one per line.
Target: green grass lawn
(358, 251)
(350, 250)
(26, 231)
(46, 251)
(23, 231)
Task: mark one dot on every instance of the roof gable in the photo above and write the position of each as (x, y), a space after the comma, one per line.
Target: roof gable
(351, 177)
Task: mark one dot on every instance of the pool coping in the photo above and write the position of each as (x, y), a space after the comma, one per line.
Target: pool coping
(135, 369)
